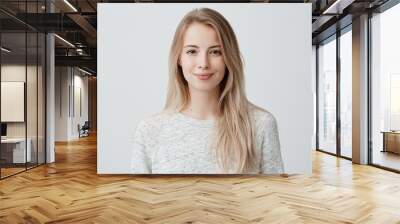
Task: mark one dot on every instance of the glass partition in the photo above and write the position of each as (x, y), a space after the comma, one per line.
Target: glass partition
(22, 77)
(13, 109)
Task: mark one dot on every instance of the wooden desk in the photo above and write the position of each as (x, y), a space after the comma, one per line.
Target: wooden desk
(391, 141)
(15, 148)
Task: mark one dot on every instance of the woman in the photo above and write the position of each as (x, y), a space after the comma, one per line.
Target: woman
(208, 125)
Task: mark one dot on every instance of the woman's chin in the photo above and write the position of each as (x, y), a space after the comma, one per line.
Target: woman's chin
(203, 87)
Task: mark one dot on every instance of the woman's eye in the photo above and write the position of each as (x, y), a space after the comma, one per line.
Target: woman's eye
(190, 52)
(215, 52)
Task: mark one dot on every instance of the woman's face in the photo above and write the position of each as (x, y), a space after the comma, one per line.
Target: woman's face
(201, 58)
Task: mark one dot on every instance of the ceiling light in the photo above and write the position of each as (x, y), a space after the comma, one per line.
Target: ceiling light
(84, 71)
(70, 5)
(5, 50)
(331, 7)
(338, 6)
(64, 40)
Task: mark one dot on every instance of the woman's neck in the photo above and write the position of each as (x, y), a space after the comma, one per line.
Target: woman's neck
(203, 105)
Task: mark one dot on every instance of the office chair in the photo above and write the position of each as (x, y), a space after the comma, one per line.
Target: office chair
(84, 130)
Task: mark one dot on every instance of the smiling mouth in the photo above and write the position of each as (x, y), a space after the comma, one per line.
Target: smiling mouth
(204, 76)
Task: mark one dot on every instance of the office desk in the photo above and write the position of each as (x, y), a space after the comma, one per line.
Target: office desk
(15, 148)
(391, 141)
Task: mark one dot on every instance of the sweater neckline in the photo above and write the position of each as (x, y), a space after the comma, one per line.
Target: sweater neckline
(196, 121)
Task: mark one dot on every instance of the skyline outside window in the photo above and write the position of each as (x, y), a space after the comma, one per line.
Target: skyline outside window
(327, 96)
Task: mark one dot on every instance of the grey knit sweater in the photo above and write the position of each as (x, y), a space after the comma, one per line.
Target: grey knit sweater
(178, 144)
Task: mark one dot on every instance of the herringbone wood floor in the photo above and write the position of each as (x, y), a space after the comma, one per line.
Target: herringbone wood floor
(70, 191)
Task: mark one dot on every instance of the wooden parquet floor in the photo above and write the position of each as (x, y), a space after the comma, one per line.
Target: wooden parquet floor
(70, 191)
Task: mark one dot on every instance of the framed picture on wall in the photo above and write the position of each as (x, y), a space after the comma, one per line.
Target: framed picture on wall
(12, 101)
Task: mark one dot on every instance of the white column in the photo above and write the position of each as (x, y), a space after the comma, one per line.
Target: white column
(50, 92)
(360, 90)
(50, 100)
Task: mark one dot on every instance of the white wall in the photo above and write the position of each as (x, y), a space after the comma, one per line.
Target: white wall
(80, 84)
(132, 72)
(68, 80)
(16, 72)
(61, 103)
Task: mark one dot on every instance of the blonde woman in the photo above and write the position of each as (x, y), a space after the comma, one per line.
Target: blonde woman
(208, 125)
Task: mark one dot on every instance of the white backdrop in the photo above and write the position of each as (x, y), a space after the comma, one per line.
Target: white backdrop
(133, 44)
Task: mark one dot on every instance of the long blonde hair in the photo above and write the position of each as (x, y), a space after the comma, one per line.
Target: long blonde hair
(234, 141)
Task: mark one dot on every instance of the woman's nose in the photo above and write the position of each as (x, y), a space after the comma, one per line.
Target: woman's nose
(203, 62)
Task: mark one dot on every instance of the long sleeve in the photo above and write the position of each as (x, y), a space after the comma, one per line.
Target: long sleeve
(141, 162)
(272, 162)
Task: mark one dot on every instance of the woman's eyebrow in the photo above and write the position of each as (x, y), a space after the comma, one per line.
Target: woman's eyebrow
(214, 46)
(195, 46)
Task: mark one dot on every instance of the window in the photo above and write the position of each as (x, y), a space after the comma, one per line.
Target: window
(385, 88)
(346, 94)
(327, 96)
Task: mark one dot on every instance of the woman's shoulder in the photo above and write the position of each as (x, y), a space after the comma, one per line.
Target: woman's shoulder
(261, 115)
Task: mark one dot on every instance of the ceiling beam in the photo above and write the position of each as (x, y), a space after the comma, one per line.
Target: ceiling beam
(85, 61)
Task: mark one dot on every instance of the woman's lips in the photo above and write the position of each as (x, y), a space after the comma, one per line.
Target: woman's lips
(204, 76)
